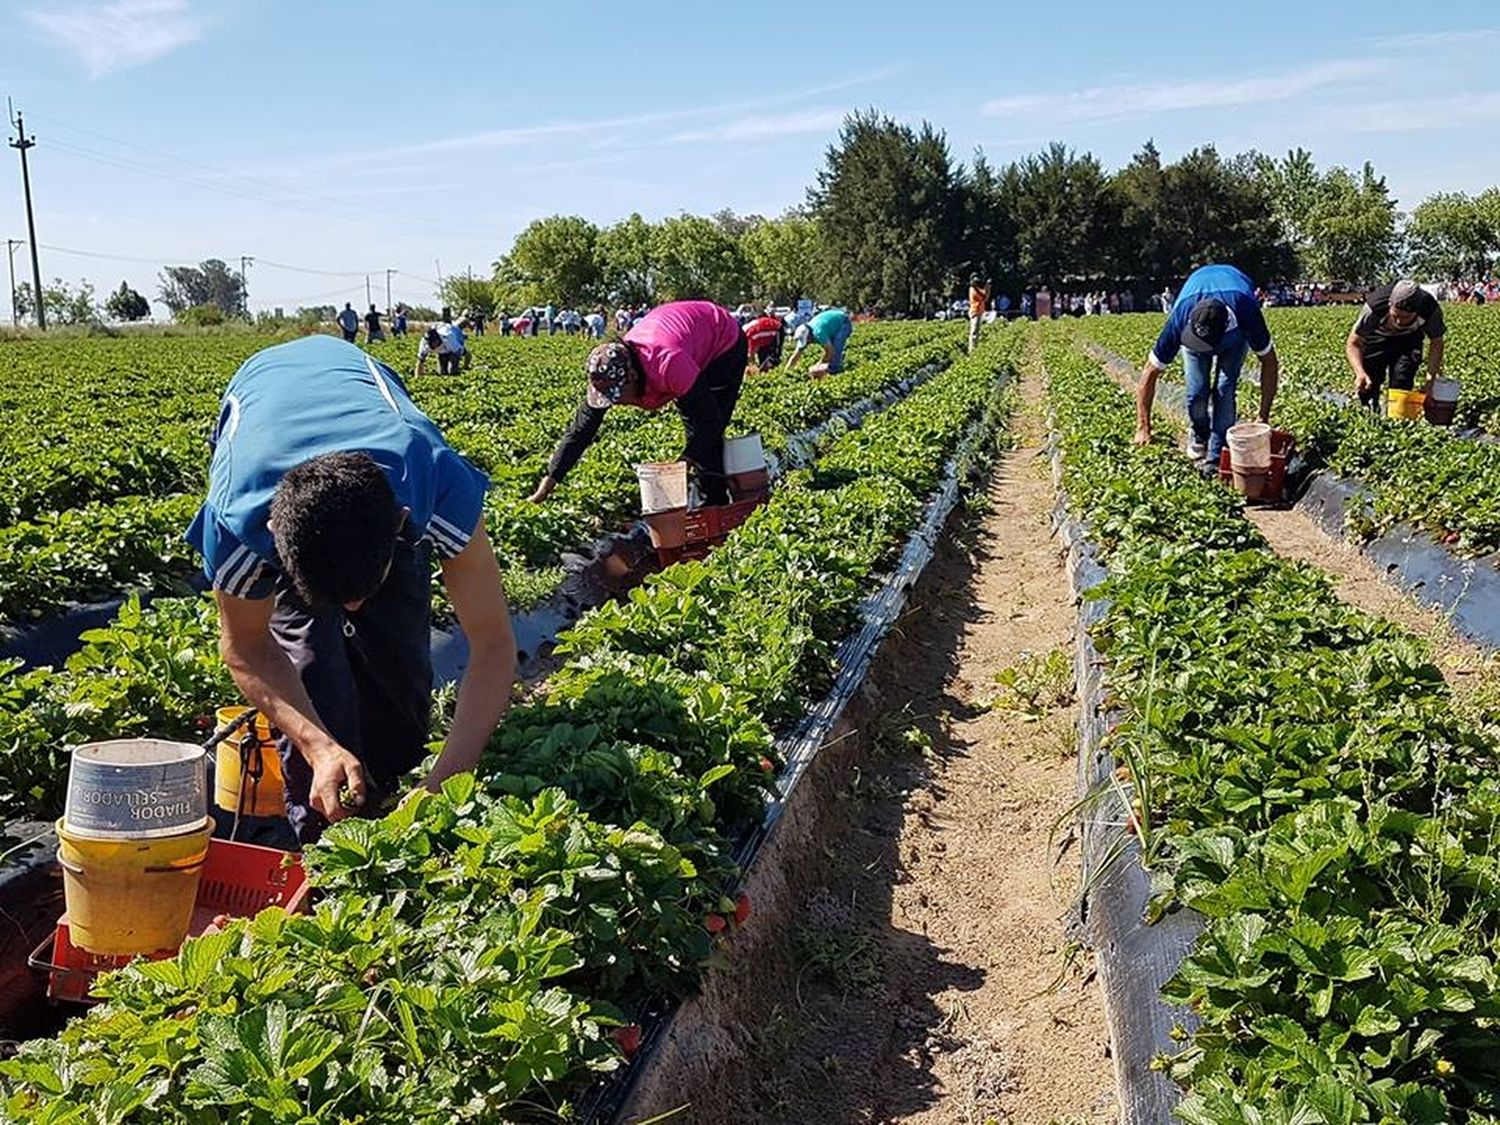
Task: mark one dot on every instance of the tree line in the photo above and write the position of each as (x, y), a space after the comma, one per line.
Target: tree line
(895, 224)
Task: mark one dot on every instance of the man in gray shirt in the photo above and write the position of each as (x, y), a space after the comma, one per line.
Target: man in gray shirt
(1387, 339)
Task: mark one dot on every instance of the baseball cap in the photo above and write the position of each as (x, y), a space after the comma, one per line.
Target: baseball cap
(1406, 296)
(608, 369)
(1206, 326)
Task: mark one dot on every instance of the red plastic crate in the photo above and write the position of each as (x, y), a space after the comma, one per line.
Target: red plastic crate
(238, 880)
(1283, 445)
(708, 527)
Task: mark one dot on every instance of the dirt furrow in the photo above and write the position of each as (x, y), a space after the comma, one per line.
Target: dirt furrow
(935, 983)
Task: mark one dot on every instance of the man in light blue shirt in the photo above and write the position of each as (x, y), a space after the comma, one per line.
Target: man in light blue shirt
(1215, 322)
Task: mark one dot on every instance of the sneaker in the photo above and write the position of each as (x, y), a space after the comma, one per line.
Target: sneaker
(1196, 450)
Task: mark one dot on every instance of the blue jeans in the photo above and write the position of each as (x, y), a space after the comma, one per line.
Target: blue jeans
(1211, 401)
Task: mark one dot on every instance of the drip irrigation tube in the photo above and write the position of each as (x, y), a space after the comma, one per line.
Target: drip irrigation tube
(800, 744)
(1134, 959)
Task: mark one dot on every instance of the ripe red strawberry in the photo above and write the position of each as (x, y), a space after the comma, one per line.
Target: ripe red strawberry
(742, 908)
(628, 1038)
(767, 766)
(715, 923)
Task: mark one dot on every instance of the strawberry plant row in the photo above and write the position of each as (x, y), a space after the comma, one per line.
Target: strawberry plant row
(474, 949)
(1299, 776)
(102, 548)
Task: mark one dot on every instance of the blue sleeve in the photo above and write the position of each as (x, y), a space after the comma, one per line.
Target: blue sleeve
(1164, 351)
(1253, 325)
(228, 564)
(459, 503)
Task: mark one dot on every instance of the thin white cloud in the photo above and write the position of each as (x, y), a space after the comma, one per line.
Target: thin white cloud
(122, 33)
(1097, 104)
(595, 128)
(1423, 39)
(779, 125)
(1423, 115)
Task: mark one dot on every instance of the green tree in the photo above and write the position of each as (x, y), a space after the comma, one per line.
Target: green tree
(1455, 236)
(783, 257)
(554, 259)
(1352, 228)
(1064, 214)
(627, 261)
(64, 304)
(1220, 212)
(126, 304)
(1339, 226)
(889, 208)
(989, 234)
(463, 293)
(210, 282)
(695, 258)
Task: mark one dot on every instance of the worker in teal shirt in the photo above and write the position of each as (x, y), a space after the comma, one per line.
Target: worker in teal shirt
(831, 328)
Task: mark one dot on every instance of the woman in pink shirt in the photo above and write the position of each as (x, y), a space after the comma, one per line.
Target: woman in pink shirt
(690, 353)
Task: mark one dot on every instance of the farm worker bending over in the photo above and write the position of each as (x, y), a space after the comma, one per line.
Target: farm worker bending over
(1387, 339)
(831, 328)
(979, 297)
(1215, 318)
(763, 336)
(328, 494)
(446, 340)
(689, 353)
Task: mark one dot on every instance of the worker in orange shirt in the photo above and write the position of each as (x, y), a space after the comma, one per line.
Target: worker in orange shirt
(979, 297)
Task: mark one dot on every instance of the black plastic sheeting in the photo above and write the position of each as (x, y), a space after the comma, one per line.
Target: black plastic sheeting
(1467, 591)
(1134, 959)
(800, 745)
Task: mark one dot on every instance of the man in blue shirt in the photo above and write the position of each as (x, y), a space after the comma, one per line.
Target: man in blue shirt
(1216, 320)
(328, 493)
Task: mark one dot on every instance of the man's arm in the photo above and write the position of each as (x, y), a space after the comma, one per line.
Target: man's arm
(1434, 357)
(474, 587)
(266, 677)
(1270, 379)
(1354, 352)
(1145, 398)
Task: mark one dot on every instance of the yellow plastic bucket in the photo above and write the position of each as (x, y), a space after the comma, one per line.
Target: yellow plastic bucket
(131, 896)
(266, 793)
(1404, 404)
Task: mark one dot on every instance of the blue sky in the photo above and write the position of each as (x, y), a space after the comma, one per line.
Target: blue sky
(349, 137)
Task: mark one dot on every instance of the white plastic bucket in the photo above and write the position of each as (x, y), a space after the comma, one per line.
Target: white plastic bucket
(744, 454)
(1250, 445)
(1444, 390)
(664, 485)
(136, 789)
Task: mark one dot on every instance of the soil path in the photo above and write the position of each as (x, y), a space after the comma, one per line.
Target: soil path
(936, 983)
(1473, 674)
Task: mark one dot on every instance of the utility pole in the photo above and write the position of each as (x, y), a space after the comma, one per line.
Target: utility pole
(369, 300)
(388, 305)
(245, 261)
(10, 254)
(22, 143)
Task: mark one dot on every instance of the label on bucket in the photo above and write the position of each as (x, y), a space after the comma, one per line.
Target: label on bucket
(109, 799)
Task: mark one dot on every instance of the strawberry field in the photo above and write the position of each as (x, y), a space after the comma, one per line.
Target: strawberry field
(472, 953)
(1291, 779)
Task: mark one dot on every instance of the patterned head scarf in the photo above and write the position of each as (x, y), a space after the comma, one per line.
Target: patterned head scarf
(609, 369)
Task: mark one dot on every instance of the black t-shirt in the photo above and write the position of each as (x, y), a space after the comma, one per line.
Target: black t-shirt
(372, 320)
(1372, 325)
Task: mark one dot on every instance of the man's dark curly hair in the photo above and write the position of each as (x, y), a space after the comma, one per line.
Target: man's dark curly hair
(335, 520)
